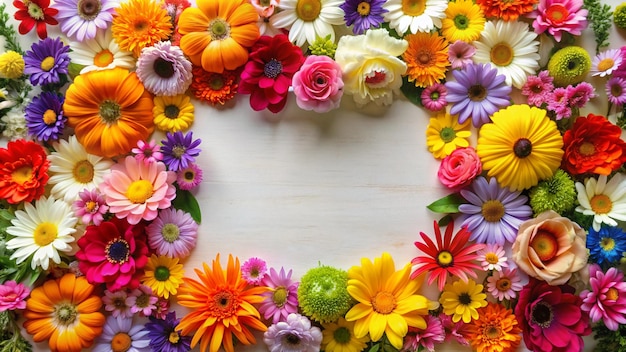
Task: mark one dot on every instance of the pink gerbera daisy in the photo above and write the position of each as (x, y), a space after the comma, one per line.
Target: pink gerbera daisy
(90, 207)
(137, 191)
(253, 270)
(460, 54)
(434, 97)
(492, 257)
(282, 297)
(616, 90)
(606, 62)
(147, 152)
(504, 284)
(559, 16)
(189, 177)
(538, 88)
(606, 300)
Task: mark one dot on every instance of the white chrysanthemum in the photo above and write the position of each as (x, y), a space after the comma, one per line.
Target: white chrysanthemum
(42, 231)
(511, 48)
(606, 201)
(415, 15)
(72, 169)
(100, 53)
(308, 19)
(14, 124)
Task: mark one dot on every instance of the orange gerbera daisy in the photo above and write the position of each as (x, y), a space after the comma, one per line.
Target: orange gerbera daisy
(65, 312)
(506, 10)
(109, 110)
(217, 34)
(222, 306)
(140, 23)
(215, 88)
(426, 58)
(495, 330)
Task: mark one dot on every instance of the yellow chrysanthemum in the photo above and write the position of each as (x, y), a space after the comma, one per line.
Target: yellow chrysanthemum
(11, 65)
(445, 134)
(163, 275)
(461, 300)
(520, 147)
(426, 58)
(464, 21)
(388, 302)
(140, 23)
(173, 113)
(339, 337)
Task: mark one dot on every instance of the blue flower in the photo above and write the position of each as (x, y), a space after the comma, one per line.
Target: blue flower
(164, 337)
(44, 117)
(607, 245)
(179, 150)
(47, 60)
(364, 14)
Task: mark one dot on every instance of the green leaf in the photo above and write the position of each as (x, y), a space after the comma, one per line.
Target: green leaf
(444, 221)
(186, 202)
(411, 92)
(447, 205)
(374, 348)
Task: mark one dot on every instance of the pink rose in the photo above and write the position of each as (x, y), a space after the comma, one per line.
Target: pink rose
(318, 85)
(459, 168)
(12, 296)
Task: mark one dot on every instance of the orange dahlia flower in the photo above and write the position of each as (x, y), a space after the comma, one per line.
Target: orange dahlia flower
(23, 171)
(222, 306)
(495, 330)
(140, 23)
(109, 110)
(506, 10)
(217, 34)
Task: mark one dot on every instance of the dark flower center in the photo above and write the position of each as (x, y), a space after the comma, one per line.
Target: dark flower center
(447, 134)
(273, 68)
(461, 22)
(522, 148)
(292, 339)
(616, 90)
(542, 314)
(110, 111)
(477, 92)
(163, 68)
(117, 251)
(216, 82)
(342, 335)
(465, 299)
(178, 151)
(171, 111)
(492, 210)
(161, 273)
(89, 9)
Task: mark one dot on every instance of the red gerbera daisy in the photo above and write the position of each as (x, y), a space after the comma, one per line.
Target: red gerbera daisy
(35, 12)
(450, 255)
(23, 171)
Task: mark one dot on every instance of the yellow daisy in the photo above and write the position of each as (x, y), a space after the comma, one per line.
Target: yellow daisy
(461, 300)
(339, 337)
(464, 21)
(444, 134)
(140, 23)
(426, 58)
(173, 113)
(163, 275)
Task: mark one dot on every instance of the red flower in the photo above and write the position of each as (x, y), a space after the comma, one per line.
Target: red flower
(23, 171)
(267, 74)
(31, 12)
(593, 145)
(113, 253)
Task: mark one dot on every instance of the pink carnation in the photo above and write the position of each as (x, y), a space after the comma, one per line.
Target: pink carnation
(13, 295)
(318, 85)
(459, 168)
(558, 16)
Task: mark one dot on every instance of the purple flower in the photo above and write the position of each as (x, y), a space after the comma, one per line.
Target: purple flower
(434, 97)
(363, 14)
(616, 90)
(46, 61)
(189, 177)
(164, 337)
(44, 117)
(115, 326)
(493, 214)
(253, 270)
(282, 298)
(479, 91)
(81, 19)
(179, 150)
(606, 300)
(164, 70)
(173, 233)
(295, 334)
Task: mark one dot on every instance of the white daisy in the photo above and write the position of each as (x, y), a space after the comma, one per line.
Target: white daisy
(72, 169)
(100, 53)
(606, 201)
(415, 15)
(308, 19)
(511, 48)
(606, 62)
(42, 231)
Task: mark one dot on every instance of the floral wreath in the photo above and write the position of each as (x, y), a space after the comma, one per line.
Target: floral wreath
(97, 218)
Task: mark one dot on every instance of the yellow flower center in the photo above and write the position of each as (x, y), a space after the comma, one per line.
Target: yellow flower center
(612, 294)
(308, 10)
(545, 244)
(91, 206)
(103, 59)
(605, 64)
(587, 149)
(22, 175)
(445, 258)
(280, 296)
(607, 244)
(492, 258)
(493, 210)
(224, 304)
(384, 302)
(413, 7)
(173, 337)
(557, 13)
(492, 331)
(170, 232)
(121, 342)
(601, 204)
(34, 11)
(219, 29)
(363, 8)
(45, 233)
(49, 117)
(83, 171)
(503, 284)
(501, 54)
(47, 64)
(139, 191)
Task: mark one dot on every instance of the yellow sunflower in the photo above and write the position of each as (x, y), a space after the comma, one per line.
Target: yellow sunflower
(163, 275)
(461, 300)
(520, 147)
(173, 113)
(217, 34)
(444, 134)
(464, 21)
(140, 23)
(426, 58)
(339, 337)
(388, 302)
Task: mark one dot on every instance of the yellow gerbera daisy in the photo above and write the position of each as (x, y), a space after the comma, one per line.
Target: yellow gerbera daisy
(173, 113)
(462, 299)
(140, 23)
(520, 147)
(163, 275)
(388, 302)
(444, 134)
(339, 337)
(426, 58)
(464, 21)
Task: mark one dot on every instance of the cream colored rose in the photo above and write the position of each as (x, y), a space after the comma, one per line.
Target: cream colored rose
(550, 247)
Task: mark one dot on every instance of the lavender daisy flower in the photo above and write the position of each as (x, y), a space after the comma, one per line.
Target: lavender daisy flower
(479, 91)
(295, 334)
(44, 117)
(363, 14)
(119, 333)
(493, 214)
(179, 150)
(164, 337)
(282, 298)
(46, 61)
(81, 19)
(164, 70)
(253, 270)
(173, 233)
(616, 90)
(189, 178)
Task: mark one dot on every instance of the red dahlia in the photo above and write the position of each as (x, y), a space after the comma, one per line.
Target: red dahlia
(23, 171)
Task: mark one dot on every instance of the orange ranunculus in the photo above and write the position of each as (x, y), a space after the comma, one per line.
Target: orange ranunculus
(109, 110)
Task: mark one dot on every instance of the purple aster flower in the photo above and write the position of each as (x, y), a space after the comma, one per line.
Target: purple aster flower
(46, 61)
(295, 334)
(173, 233)
(363, 14)
(616, 90)
(90, 207)
(179, 150)
(164, 70)
(189, 177)
(164, 337)
(81, 19)
(122, 328)
(493, 214)
(434, 97)
(282, 298)
(253, 270)
(44, 117)
(479, 91)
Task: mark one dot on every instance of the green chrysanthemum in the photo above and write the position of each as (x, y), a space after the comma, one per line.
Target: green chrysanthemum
(619, 15)
(569, 65)
(323, 46)
(323, 294)
(557, 193)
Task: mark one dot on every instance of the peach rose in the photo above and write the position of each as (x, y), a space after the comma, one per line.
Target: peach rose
(550, 247)
(459, 168)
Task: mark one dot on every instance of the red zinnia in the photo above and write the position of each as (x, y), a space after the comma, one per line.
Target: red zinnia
(593, 145)
(35, 12)
(449, 255)
(268, 73)
(23, 171)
